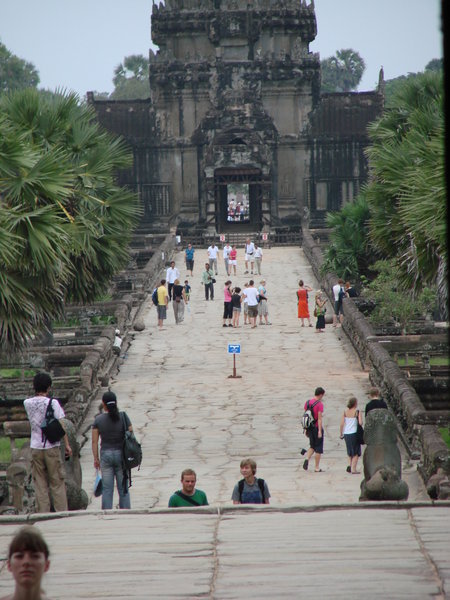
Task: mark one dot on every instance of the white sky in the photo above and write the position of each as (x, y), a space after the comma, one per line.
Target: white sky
(76, 44)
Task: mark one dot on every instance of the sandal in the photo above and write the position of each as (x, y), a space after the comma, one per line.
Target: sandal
(318, 471)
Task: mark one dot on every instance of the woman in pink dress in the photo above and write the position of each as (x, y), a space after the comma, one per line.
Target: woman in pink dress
(302, 302)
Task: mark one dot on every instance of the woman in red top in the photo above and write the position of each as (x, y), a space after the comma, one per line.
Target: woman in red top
(302, 303)
(232, 261)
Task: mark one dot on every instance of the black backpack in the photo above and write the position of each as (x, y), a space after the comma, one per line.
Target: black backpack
(155, 297)
(51, 428)
(308, 420)
(260, 485)
(131, 454)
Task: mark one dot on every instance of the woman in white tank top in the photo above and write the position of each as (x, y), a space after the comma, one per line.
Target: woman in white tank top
(349, 427)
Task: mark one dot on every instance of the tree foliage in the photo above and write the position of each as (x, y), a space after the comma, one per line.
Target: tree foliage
(131, 78)
(16, 73)
(347, 252)
(342, 72)
(65, 222)
(407, 195)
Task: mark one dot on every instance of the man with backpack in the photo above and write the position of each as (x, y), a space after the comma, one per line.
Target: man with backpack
(47, 469)
(314, 429)
(250, 489)
(188, 495)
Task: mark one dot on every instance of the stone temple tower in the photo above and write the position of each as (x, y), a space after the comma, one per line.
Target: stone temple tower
(232, 86)
(236, 135)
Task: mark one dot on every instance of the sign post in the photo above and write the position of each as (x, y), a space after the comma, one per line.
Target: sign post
(234, 349)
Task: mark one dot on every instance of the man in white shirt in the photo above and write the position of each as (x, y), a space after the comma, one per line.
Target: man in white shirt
(249, 255)
(47, 469)
(213, 252)
(257, 254)
(252, 295)
(338, 295)
(171, 274)
(226, 257)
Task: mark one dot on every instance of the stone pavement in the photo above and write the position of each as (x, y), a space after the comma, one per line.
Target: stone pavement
(314, 539)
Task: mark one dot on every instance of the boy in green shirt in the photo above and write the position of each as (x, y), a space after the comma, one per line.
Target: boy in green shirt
(188, 495)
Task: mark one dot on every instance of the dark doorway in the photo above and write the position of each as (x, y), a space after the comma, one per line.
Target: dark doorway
(238, 194)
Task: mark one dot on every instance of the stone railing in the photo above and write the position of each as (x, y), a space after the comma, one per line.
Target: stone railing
(422, 439)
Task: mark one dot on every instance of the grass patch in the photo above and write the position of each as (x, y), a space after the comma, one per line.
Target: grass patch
(5, 448)
(74, 370)
(103, 320)
(445, 432)
(16, 373)
(435, 361)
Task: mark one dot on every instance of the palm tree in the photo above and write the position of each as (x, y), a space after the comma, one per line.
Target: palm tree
(407, 195)
(68, 222)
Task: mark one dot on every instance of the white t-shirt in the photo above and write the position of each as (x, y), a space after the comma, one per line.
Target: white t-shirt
(36, 408)
(258, 252)
(249, 248)
(172, 274)
(252, 296)
(213, 251)
(226, 251)
(336, 290)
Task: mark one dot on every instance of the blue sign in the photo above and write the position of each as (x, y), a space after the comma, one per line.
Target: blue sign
(234, 348)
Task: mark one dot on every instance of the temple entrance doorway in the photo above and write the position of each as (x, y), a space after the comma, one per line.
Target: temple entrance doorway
(238, 200)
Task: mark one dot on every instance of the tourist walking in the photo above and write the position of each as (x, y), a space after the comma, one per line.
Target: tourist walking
(179, 300)
(213, 252)
(302, 302)
(374, 401)
(263, 309)
(188, 496)
(232, 260)
(315, 433)
(28, 561)
(338, 295)
(319, 311)
(187, 290)
(349, 432)
(189, 258)
(109, 427)
(245, 303)
(250, 489)
(258, 254)
(249, 255)
(172, 273)
(163, 301)
(47, 469)
(252, 295)
(226, 258)
(236, 301)
(227, 305)
(208, 281)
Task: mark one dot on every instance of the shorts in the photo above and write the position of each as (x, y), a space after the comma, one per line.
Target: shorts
(236, 309)
(353, 447)
(190, 265)
(253, 311)
(263, 310)
(232, 262)
(249, 257)
(338, 307)
(245, 308)
(315, 442)
(162, 311)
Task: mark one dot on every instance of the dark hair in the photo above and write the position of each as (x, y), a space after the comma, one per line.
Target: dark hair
(109, 398)
(352, 402)
(319, 391)
(163, 281)
(237, 290)
(28, 538)
(300, 283)
(41, 382)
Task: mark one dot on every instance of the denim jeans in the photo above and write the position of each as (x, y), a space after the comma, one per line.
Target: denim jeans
(111, 467)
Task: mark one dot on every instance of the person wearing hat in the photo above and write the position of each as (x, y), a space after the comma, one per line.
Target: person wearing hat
(108, 426)
(263, 310)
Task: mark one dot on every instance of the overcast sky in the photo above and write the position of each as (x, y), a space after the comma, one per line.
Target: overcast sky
(76, 44)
